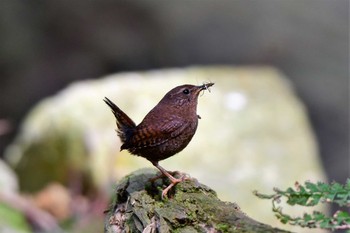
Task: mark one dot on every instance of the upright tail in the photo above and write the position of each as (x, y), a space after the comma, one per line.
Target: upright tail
(125, 125)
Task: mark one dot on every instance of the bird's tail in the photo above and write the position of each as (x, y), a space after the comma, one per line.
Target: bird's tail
(125, 125)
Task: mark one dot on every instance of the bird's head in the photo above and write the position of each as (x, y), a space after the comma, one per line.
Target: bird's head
(185, 95)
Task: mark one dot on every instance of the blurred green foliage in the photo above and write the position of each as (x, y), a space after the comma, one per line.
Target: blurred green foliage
(12, 219)
(311, 194)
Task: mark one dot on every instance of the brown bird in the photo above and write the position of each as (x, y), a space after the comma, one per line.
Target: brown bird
(166, 129)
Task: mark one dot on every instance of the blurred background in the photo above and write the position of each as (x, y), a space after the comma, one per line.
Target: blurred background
(46, 45)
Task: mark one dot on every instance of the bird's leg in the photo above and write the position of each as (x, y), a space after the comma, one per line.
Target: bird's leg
(172, 173)
(173, 180)
(167, 174)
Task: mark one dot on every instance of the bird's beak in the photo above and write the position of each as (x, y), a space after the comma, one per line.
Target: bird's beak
(204, 87)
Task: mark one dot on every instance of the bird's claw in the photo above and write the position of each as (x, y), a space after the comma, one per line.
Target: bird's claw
(174, 182)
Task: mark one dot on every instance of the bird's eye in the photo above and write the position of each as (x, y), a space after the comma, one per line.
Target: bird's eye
(186, 91)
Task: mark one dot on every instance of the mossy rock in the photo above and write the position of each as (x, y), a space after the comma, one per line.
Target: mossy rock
(190, 207)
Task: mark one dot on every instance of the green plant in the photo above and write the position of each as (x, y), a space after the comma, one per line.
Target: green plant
(311, 194)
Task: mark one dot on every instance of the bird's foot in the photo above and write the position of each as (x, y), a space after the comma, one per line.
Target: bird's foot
(174, 181)
(165, 191)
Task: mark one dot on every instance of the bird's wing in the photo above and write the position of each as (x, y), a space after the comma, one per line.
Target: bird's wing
(155, 134)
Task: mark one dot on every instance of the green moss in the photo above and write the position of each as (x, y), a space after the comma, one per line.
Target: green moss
(222, 227)
(187, 229)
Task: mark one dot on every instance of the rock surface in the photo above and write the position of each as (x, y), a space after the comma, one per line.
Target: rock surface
(191, 207)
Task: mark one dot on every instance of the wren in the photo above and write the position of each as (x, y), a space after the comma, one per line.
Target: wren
(166, 129)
